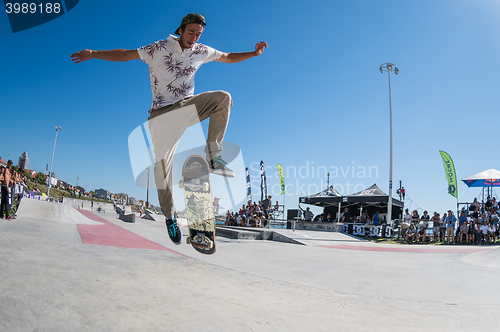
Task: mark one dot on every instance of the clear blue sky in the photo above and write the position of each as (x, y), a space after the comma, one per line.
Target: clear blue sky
(314, 98)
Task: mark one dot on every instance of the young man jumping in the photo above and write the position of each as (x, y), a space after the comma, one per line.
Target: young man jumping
(172, 65)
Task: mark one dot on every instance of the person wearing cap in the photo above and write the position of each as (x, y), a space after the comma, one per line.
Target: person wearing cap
(172, 66)
(450, 225)
(308, 215)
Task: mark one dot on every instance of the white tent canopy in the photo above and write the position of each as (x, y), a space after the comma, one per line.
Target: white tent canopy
(490, 177)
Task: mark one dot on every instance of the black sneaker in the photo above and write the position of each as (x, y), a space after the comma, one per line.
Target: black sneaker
(173, 230)
(218, 166)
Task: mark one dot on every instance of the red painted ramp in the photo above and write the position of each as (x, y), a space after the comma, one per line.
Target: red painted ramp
(112, 235)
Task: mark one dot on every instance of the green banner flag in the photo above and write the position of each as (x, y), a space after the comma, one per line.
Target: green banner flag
(282, 178)
(451, 176)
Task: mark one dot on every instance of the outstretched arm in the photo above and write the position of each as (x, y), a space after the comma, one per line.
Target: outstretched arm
(111, 55)
(238, 57)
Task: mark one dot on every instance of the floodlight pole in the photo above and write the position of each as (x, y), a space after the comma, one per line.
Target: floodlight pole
(58, 129)
(388, 67)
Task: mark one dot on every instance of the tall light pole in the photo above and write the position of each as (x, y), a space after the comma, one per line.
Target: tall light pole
(58, 129)
(388, 67)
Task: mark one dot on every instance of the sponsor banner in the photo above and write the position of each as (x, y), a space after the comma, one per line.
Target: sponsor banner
(248, 185)
(282, 178)
(263, 182)
(451, 177)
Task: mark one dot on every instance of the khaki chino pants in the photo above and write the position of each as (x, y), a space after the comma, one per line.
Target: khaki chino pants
(167, 124)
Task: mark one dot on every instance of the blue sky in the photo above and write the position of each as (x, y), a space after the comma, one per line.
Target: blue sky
(315, 98)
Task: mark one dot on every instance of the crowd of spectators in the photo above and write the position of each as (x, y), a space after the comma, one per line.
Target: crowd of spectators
(13, 185)
(476, 225)
(376, 218)
(253, 214)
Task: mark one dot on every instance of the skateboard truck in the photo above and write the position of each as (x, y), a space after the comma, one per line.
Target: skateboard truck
(194, 186)
(200, 240)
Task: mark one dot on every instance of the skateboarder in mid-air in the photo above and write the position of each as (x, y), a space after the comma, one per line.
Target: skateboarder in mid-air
(172, 65)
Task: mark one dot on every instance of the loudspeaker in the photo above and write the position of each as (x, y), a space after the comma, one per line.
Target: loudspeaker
(292, 214)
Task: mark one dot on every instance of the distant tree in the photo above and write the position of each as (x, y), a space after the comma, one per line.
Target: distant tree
(92, 193)
(40, 178)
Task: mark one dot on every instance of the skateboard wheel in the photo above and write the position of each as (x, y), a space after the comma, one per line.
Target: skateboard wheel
(188, 240)
(181, 184)
(206, 186)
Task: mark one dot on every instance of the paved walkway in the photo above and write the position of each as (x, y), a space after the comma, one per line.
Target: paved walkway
(53, 279)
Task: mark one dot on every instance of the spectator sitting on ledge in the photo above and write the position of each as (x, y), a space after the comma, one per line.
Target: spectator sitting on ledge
(421, 234)
(485, 231)
(492, 233)
(411, 234)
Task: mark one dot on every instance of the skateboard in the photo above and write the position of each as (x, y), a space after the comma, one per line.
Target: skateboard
(199, 207)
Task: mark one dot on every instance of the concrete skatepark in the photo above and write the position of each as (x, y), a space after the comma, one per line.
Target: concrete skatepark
(68, 269)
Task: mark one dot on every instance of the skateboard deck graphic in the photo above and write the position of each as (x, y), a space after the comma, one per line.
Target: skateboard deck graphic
(199, 207)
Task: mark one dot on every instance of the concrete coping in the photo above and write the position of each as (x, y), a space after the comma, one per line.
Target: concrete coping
(252, 233)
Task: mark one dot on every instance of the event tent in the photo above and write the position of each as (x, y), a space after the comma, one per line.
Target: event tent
(327, 197)
(371, 196)
(370, 199)
(488, 178)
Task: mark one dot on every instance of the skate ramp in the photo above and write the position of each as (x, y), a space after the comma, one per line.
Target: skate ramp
(489, 259)
(77, 203)
(36, 209)
(150, 215)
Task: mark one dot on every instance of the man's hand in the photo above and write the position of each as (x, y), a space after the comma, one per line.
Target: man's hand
(238, 57)
(81, 56)
(259, 48)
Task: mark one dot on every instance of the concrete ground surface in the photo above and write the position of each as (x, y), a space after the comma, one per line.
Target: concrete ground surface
(96, 273)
